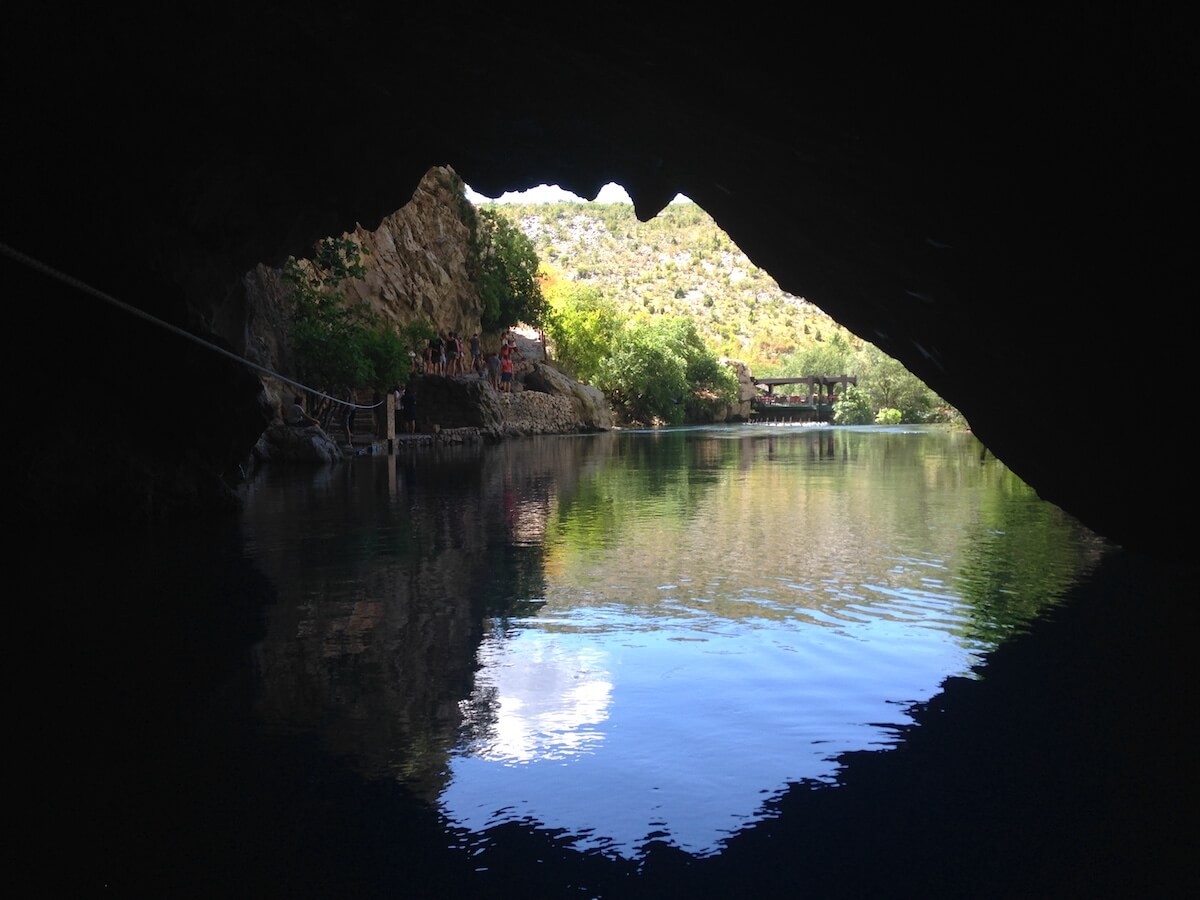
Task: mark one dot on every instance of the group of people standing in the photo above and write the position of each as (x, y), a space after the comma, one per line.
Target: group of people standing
(447, 354)
(501, 365)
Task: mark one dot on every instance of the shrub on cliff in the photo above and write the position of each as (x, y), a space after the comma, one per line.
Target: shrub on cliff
(505, 266)
(337, 345)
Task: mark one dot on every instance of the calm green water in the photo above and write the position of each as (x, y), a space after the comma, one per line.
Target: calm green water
(637, 636)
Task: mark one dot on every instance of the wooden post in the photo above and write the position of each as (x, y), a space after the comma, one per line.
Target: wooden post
(390, 433)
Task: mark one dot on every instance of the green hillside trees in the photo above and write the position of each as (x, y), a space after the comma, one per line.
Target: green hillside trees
(658, 367)
(505, 267)
(582, 327)
(654, 369)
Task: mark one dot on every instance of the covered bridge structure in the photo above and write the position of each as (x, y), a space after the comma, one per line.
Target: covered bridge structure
(812, 399)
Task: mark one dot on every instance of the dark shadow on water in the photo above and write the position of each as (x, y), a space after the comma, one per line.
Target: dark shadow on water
(1065, 771)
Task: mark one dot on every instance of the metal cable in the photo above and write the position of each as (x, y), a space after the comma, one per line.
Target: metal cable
(141, 314)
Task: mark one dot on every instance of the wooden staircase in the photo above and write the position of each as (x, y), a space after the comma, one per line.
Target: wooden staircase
(368, 427)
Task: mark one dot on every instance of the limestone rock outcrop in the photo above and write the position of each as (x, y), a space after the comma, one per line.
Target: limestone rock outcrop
(416, 260)
(457, 403)
(289, 444)
(558, 406)
(415, 265)
(588, 404)
(740, 409)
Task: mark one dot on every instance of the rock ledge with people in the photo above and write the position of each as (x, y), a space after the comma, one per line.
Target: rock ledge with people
(461, 408)
(539, 399)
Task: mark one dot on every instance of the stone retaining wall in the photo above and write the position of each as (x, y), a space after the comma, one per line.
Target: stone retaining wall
(532, 412)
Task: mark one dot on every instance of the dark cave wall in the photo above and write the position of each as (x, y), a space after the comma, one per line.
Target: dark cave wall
(999, 203)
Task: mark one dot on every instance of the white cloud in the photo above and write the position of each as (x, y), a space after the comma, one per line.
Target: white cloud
(613, 193)
(552, 193)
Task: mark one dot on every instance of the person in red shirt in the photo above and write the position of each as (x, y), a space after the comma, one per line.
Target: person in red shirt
(506, 372)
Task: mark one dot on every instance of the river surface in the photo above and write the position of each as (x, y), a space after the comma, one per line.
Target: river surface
(607, 665)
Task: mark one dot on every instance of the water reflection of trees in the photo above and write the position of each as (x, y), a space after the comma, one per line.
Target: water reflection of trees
(836, 516)
(387, 581)
(392, 573)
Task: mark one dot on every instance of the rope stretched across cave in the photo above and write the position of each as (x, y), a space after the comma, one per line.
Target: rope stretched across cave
(69, 280)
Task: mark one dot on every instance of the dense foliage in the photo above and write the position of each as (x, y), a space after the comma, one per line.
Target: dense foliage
(339, 347)
(655, 370)
(647, 312)
(505, 268)
(680, 263)
(582, 327)
(605, 273)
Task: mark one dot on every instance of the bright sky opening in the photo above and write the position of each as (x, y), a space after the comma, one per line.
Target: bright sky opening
(552, 193)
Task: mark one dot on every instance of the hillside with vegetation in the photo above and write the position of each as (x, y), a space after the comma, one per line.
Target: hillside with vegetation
(680, 263)
(598, 262)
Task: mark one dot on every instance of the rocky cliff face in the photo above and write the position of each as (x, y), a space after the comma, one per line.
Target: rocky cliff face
(457, 403)
(417, 259)
(740, 409)
(416, 269)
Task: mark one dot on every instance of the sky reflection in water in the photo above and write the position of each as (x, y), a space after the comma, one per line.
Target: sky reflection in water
(677, 624)
(690, 723)
(645, 702)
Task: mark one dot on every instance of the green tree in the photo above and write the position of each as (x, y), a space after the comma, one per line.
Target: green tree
(888, 416)
(645, 375)
(386, 354)
(832, 357)
(505, 266)
(338, 345)
(891, 386)
(853, 408)
(714, 383)
(326, 332)
(657, 367)
(582, 326)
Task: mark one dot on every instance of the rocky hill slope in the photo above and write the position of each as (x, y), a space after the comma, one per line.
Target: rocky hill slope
(416, 268)
(678, 263)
